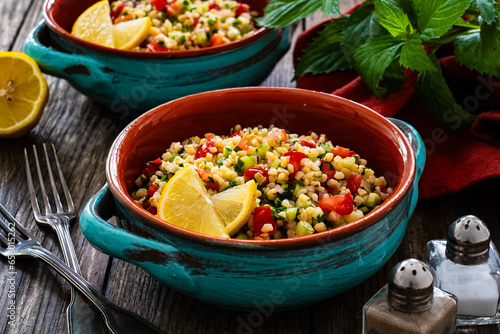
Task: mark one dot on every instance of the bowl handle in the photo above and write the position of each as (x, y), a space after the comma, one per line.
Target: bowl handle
(58, 63)
(162, 260)
(418, 147)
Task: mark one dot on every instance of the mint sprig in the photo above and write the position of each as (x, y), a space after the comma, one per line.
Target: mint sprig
(382, 38)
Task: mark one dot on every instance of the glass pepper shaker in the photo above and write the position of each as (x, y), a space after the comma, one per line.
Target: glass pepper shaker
(410, 303)
(467, 265)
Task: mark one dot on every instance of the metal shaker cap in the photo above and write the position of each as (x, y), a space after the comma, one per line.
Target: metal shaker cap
(411, 286)
(468, 241)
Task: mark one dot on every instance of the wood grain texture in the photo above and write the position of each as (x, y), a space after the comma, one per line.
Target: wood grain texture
(82, 132)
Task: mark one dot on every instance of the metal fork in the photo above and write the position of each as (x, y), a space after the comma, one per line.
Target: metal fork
(80, 315)
(15, 240)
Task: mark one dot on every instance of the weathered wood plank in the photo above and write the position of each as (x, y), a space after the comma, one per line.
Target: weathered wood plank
(12, 15)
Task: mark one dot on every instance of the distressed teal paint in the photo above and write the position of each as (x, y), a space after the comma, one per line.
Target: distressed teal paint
(131, 86)
(252, 277)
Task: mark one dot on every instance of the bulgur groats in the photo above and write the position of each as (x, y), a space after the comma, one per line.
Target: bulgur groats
(306, 184)
(187, 25)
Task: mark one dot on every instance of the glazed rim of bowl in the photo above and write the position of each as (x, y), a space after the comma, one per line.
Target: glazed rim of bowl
(120, 192)
(55, 26)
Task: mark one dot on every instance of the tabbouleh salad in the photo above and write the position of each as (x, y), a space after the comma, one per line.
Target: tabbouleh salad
(306, 184)
(187, 25)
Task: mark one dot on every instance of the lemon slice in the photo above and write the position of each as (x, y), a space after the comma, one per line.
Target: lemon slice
(94, 25)
(235, 205)
(130, 34)
(23, 94)
(186, 203)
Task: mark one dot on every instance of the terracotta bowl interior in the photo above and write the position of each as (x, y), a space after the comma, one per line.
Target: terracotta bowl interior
(62, 14)
(345, 123)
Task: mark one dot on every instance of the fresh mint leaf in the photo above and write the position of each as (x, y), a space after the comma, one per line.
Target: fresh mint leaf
(480, 50)
(393, 18)
(487, 10)
(438, 16)
(372, 59)
(438, 101)
(280, 13)
(324, 54)
(393, 77)
(330, 7)
(414, 57)
(360, 28)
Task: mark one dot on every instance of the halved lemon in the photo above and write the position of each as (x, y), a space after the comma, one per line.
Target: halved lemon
(186, 203)
(94, 25)
(130, 34)
(23, 94)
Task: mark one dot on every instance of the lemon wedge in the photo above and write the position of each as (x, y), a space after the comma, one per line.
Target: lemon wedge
(130, 34)
(186, 203)
(23, 94)
(94, 25)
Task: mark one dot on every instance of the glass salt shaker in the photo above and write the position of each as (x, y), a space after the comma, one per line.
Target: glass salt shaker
(410, 303)
(467, 265)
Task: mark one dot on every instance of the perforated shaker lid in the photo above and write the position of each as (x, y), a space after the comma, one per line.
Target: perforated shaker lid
(468, 241)
(411, 286)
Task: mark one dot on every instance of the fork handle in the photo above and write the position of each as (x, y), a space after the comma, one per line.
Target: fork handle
(117, 319)
(62, 230)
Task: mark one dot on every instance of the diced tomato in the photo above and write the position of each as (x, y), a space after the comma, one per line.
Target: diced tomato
(327, 168)
(295, 159)
(156, 161)
(281, 133)
(308, 143)
(146, 204)
(237, 133)
(195, 22)
(243, 145)
(213, 5)
(208, 178)
(341, 204)
(154, 46)
(123, 18)
(159, 4)
(342, 152)
(383, 189)
(153, 210)
(353, 183)
(250, 174)
(115, 12)
(262, 215)
(242, 8)
(217, 39)
(152, 189)
(202, 151)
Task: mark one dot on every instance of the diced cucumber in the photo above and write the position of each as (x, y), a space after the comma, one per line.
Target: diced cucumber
(248, 161)
(355, 215)
(303, 228)
(291, 214)
(348, 162)
(311, 156)
(174, 34)
(135, 197)
(326, 147)
(364, 209)
(202, 36)
(242, 236)
(227, 151)
(172, 156)
(303, 204)
(373, 200)
(262, 150)
(220, 162)
(276, 163)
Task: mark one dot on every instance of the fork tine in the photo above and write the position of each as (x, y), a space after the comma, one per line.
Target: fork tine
(31, 187)
(17, 225)
(57, 200)
(67, 195)
(48, 209)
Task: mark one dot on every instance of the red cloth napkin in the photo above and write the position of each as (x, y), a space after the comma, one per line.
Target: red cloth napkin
(456, 160)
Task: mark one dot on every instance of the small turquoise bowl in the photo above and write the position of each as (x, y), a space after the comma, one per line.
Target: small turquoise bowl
(131, 82)
(258, 274)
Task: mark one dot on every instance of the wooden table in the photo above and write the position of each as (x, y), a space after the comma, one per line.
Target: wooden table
(83, 132)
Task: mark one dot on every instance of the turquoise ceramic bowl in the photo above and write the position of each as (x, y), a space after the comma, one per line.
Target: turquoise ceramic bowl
(253, 274)
(132, 82)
